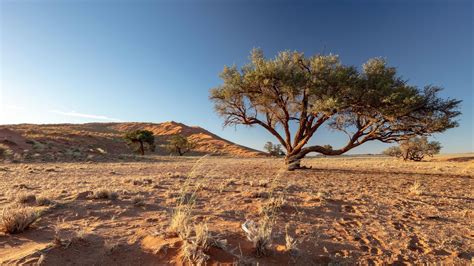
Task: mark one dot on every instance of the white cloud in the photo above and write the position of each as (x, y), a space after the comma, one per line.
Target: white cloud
(81, 115)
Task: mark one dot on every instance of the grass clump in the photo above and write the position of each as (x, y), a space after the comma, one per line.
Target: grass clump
(416, 189)
(180, 222)
(138, 201)
(105, 194)
(194, 248)
(43, 201)
(260, 234)
(290, 243)
(26, 198)
(16, 219)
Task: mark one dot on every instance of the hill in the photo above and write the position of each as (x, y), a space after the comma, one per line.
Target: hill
(82, 141)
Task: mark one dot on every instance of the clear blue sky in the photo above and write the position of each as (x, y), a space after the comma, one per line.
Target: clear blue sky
(82, 61)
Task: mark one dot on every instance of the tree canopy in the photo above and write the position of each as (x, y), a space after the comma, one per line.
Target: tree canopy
(372, 103)
(141, 137)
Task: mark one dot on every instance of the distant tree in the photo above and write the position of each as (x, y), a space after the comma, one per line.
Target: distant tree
(180, 145)
(414, 149)
(394, 151)
(273, 149)
(141, 137)
(293, 91)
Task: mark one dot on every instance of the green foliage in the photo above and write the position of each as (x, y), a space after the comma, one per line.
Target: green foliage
(292, 91)
(414, 149)
(180, 145)
(141, 137)
(273, 149)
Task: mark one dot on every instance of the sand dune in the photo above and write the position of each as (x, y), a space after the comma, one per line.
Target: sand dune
(105, 140)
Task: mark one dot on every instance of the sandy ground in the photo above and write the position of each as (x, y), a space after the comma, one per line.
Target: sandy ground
(343, 210)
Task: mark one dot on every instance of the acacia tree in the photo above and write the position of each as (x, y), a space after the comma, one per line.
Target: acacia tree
(180, 144)
(292, 96)
(141, 137)
(273, 149)
(414, 149)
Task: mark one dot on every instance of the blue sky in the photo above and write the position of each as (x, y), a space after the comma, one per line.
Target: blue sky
(155, 61)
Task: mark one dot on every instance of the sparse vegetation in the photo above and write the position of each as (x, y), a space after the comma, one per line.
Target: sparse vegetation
(295, 91)
(179, 144)
(209, 199)
(16, 219)
(141, 137)
(414, 149)
(5, 152)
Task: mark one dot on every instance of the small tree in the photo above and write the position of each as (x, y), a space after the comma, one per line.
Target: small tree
(273, 149)
(141, 137)
(292, 96)
(180, 145)
(414, 149)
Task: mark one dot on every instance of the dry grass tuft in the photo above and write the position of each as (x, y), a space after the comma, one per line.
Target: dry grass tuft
(26, 198)
(180, 222)
(194, 249)
(105, 194)
(138, 201)
(16, 219)
(290, 243)
(260, 234)
(273, 205)
(43, 201)
(416, 188)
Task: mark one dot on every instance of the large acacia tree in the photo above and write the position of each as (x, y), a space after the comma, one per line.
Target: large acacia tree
(292, 96)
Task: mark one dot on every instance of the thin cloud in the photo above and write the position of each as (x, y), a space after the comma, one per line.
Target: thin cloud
(81, 115)
(14, 107)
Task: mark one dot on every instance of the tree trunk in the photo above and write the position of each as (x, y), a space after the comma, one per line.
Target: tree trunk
(293, 161)
(142, 149)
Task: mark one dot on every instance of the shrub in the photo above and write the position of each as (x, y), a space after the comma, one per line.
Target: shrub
(5, 152)
(414, 149)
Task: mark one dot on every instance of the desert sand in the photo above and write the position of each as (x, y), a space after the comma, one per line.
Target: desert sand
(366, 210)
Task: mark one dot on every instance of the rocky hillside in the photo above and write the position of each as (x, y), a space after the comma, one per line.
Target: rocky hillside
(79, 141)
